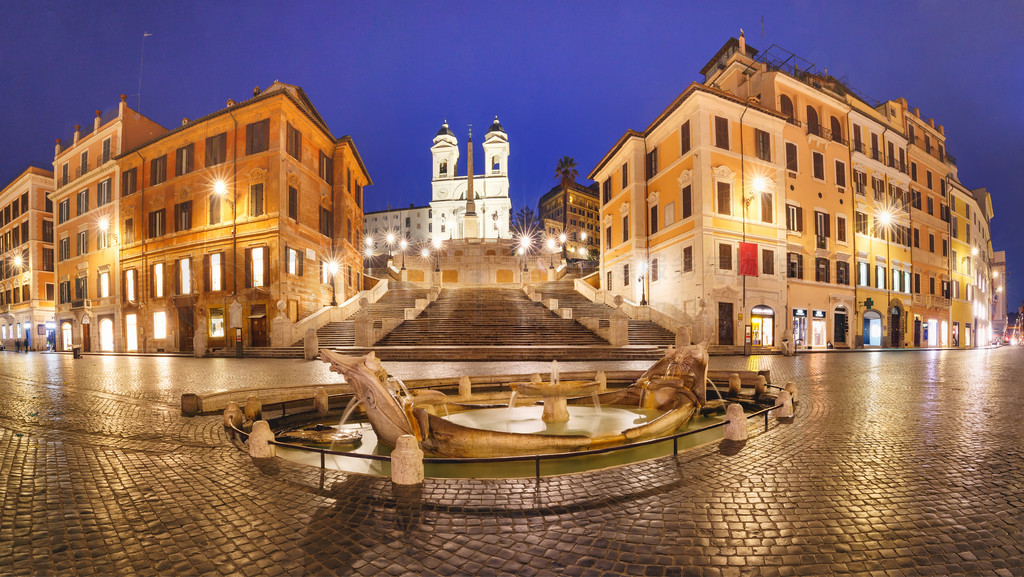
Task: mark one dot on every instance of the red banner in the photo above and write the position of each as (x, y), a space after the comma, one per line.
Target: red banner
(748, 258)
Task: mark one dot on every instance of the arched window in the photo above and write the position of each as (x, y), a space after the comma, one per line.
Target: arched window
(812, 121)
(837, 130)
(786, 105)
(442, 169)
(495, 163)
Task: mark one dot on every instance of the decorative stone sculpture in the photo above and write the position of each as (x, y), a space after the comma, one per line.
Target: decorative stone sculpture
(259, 441)
(233, 415)
(791, 389)
(253, 409)
(734, 384)
(407, 462)
(735, 423)
(786, 410)
(311, 344)
(320, 403)
(760, 386)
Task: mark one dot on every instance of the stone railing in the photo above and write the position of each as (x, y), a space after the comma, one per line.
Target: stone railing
(288, 333)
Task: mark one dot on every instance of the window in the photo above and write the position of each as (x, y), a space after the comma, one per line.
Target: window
(293, 142)
(257, 136)
(724, 198)
(843, 273)
(625, 228)
(625, 174)
(725, 256)
(794, 218)
(105, 151)
(293, 203)
(608, 236)
(85, 162)
(160, 325)
(863, 274)
(130, 285)
(766, 207)
(654, 270)
(103, 193)
(48, 260)
(65, 292)
(917, 238)
(256, 199)
(794, 265)
(860, 182)
(184, 159)
(47, 231)
(821, 270)
(945, 247)
(687, 202)
(64, 249)
(102, 239)
(878, 188)
(83, 242)
(82, 202)
(684, 138)
(609, 281)
(654, 219)
(931, 285)
(156, 280)
(688, 259)
(326, 168)
(837, 130)
(183, 216)
(157, 170)
(625, 274)
(214, 217)
(879, 276)
(327, 223)
(257, 266)
(931, 243)
(721, 132)
(214, 277)
(63, 211)
(129, 182)
(652, 163)
(129, 230)
(767, 262)
(156, 223)
(813, 127)
(81, 287)
(913, 171)
(103, 288)
(822, 228)
(786, 106)
(294, 262)
(184, 273)
(791, 162)
(931, 205)
(840, 228)
(819, 165)
(606, 191)
(763, 142)
(840, 173)
(217, 149)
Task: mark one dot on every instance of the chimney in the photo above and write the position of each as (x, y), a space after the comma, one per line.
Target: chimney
(78, 134)
(96, 121)
(123, 107)
(255, 92)
(229, 103)
(917, 112)
(56, 150)
(942, 130)
(931, 122)
(184, 121)
(743, 43)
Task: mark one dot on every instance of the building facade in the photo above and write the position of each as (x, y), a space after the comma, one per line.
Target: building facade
(85, 195)
(27, 289)
(788, 210)
(248, 216)
(414, 224)
(490, 188)
(582, 223)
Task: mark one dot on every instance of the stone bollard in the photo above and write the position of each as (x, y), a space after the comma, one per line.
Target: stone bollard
(734, 384)
(786, 411)
(259, 441)
(760, 386)
(465, 387)
(311, 345)
(191, 404)
(791, 389)
(407, 462)
(602, 381)
(736, 423)
(253, 409)
(535, 378)
(233, 415)
(320, 401)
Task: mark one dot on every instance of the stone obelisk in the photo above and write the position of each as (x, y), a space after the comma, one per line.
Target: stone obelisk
(470, 226)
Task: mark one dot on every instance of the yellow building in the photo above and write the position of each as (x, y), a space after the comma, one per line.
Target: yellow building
(26, 274)
(85, 195)
(581, 232)
(237, 221)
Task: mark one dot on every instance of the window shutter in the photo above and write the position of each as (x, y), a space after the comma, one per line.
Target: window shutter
(248, 268)
(152, 281)
(124, 282)
(301, 259)
(206, 273)
(266, 267)
(223, 274)
(828, 226)
(799, 219)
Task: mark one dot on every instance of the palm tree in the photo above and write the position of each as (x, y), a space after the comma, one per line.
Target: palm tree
(566, 172)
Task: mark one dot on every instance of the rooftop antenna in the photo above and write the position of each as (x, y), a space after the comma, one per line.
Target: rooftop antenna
(762, 34)
(142, 54)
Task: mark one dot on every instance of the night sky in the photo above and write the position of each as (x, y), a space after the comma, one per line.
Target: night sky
(565, 78)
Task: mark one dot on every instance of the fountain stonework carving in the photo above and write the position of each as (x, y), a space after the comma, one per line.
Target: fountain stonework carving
(672, 389)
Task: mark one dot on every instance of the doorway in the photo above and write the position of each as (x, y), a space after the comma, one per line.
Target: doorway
(762, 321)
(725, 329)
(86, 341)
(895, 334)
(258, 326)
(839, 326)
(107, 335)
(131, 332)
(65, 336)
(186, 328)
(872, 329)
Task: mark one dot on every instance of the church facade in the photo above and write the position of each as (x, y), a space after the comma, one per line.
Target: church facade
(493, 208)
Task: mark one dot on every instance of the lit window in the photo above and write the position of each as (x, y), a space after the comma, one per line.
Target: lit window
(104, 285)
(217, 323)
(160, 325)
(184, 276)
(129, 284)
(257, 267)
(215, 272)
(158, 280)
(132, 333)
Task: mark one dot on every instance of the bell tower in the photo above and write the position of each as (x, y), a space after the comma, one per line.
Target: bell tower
(445, 152)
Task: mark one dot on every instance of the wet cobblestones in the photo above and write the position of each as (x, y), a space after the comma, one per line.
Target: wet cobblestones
(902, 463)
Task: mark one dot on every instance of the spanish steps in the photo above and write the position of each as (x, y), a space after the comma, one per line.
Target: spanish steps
(640, 332)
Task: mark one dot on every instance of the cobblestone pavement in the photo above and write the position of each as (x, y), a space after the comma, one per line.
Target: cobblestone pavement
(899, 463)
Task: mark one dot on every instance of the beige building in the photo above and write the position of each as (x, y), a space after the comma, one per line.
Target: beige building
(582, 223)
(27, 272)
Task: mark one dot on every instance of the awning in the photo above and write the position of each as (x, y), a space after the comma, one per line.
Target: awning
(258, 316)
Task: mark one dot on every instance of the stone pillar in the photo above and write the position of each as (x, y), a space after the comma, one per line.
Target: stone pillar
(311, 345)
(279, 327)
(602, 381)
(618, 333)
(465, 387)
(734, 384)
(407, 462)
(191, 404)
(683, 338)
(760, 386)
(736, 423)
(253, 409)
(320, 404)
(199, 341)
(435, 278)
(364, 331)
(786, 411)
(233, 415)
(791, 389)
(259, 441)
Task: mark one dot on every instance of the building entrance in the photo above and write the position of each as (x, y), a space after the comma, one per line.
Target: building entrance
(872, 329)
(762, 322)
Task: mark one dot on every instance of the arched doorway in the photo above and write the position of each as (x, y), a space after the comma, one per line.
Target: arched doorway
(762, 322)
(65, 336)
(872, 329)
(107, 335)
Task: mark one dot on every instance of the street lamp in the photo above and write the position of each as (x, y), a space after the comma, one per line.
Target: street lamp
(220, 188)
(391, 241)
(524, 248)
(643, 289)
(332, 269)
(402, 246)
(551, 250)
(884, 217)
(437, 254)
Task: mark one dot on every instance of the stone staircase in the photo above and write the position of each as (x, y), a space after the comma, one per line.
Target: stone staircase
(400, 296)
(489, 316)
(640, 332)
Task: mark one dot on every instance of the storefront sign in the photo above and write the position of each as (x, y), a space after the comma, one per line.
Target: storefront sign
(818, 314)
(800, 312)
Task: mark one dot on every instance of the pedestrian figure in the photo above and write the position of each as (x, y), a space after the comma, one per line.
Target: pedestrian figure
(17, 345)
(26, 344)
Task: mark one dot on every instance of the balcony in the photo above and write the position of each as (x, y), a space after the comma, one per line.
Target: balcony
(876, 155)
(81, 304)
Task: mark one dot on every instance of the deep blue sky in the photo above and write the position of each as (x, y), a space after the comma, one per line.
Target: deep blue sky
(566, 78)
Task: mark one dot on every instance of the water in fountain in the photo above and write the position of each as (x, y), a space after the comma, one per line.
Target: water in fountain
(352, 404)
(715, 387)
(554, 372)
(597, 402)
(347, 437)
(512, 399)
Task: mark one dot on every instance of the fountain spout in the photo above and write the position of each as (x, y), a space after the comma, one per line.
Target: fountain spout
(554, 372)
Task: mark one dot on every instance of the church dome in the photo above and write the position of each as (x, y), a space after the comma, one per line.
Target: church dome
(496, 126)
(445, 131)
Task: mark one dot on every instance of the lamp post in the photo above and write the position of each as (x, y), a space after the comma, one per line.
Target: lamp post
(524, 248)
(640, 279)
(402, 246)
(332, 268)
(885, 219)
(551, 253)
(220, 188)
(437, 254)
